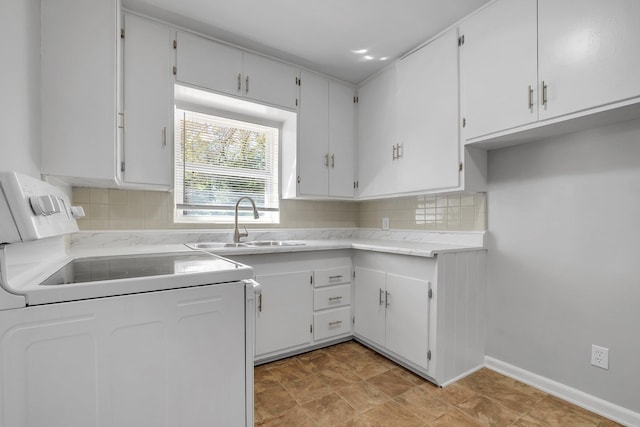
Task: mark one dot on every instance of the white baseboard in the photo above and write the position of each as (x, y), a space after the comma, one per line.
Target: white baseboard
(587, 401)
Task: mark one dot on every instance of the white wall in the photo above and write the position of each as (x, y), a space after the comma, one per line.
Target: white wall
(20, 86)
(564, 259)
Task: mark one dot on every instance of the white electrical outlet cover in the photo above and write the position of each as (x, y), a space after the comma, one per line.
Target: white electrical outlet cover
(385, 223)
(600, 356)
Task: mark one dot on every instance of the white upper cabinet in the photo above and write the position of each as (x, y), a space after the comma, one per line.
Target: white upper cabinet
(498, 67)
(313, 136)
(377, 138)
(325, 146)
(341, 140)
(80, 90)
(588, 53)
(148, 107)
(409, 127)
(222, 68)
(427, 100)
(270, 81)
(532, 69)
(207, 64)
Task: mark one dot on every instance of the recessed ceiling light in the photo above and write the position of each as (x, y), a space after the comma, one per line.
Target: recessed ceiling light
(360, 51)
(384, 58)
(367, 58)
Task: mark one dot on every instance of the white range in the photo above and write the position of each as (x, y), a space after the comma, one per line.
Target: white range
(158, 339)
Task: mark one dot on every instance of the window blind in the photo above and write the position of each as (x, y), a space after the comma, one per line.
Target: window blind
(218, 160)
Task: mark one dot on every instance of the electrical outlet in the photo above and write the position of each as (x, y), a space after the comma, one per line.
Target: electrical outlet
(600, 356)
(385, 223)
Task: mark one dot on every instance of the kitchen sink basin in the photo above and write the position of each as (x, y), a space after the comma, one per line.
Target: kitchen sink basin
(254, 244)
(216, 245)
(274, 243)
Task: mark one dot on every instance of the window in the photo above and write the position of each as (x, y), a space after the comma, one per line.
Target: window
(218, 160)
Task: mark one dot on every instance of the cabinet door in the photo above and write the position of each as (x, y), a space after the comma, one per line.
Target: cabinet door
(588, 53)
(408, 318)
(148, 107)
(427, 84)
(284, 312)
(377, 134)
(270, 81)
(341, 140)
(207, 64)
(498, 67)
(80, 66)
(369, 304)
(313, 136)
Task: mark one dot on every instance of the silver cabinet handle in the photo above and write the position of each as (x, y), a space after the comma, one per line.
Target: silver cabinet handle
(335, 298)
(394, 151)
(121, 126)
(326, 160)
(164, 137)
(380, 302)
(239, 82)
(246, 85)
(544, 93)
(399, 150)
(339, 276)
(333, 160)
(260, 303)
(386, 299)
(530, 93)
(336, 323)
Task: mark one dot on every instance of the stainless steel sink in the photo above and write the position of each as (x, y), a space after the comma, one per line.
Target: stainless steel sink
(215, 245)
(254, 244)
(274, 243)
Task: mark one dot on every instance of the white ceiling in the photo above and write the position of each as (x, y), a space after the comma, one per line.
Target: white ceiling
(323, 35)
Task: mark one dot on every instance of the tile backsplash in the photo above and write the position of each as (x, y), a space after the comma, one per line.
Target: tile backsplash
(455, 212)
(108, 209)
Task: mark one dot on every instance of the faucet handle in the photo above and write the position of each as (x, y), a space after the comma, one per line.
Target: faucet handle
(245, 234)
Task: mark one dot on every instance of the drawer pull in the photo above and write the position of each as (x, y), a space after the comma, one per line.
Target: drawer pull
(387, 303)
(380, 302)
(339, 276)
(335, 298)
(336, 323)
(260, 303)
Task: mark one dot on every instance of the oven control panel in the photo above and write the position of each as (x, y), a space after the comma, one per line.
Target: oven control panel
(32, 209)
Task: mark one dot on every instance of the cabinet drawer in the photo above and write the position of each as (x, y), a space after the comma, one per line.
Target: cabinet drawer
(330, 323)
(332, 276)
(331, 296)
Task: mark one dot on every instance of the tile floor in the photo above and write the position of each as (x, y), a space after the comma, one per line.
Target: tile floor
(350, 385)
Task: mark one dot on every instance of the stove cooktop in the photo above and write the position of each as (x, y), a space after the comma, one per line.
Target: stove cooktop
(93, 269)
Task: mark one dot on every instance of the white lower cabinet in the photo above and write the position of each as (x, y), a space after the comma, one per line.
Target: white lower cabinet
(331, 323)
(301, 306)
(284, 308)
(392, 311)
(332, 290)
(425, 313)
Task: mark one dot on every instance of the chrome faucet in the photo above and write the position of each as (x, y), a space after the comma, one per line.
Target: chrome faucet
(237, 235)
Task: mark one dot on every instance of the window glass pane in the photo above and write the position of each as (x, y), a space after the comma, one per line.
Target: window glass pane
(219, 160)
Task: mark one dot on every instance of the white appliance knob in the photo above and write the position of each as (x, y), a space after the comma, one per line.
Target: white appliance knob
(57, 204)
(41, 205)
